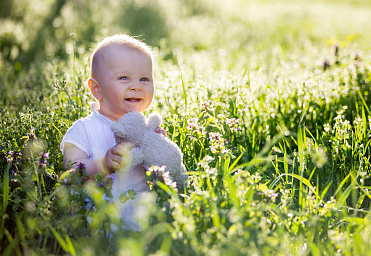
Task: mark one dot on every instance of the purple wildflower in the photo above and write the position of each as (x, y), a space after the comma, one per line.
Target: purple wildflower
(215, 136)
(271, 194)
(168, 181)
(239, 171)
(356, 56)
(212, 149)
(31, 135)
(234, 124)
(193, 124)
(42, 159)
(81, 168)
(194, 127)
(207, 106)
(326, 64)
(225, 151)
(217, 143)
(17, 153)
(9, 157)
(336, 50)
(162, 175)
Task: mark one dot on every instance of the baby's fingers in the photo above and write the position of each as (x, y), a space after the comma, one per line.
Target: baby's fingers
(121, 149)
(113, 163)
(115, 158)
(160, 130)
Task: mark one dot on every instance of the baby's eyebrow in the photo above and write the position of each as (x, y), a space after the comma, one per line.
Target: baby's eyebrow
(120, 73)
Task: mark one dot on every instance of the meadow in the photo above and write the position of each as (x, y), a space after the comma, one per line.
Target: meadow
(269, 102)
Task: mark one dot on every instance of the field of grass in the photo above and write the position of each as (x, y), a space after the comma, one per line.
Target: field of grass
(269, 102)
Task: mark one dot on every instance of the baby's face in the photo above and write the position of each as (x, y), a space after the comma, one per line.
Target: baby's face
(125, 81)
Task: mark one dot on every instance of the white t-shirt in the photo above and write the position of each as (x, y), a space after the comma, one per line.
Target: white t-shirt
(93, 135)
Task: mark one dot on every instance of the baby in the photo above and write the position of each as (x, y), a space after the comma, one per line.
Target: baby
(121, 81)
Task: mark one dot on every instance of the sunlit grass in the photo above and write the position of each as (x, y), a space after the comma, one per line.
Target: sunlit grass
(269, 102)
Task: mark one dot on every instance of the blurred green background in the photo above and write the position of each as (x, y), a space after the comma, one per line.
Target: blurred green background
(236, 35)
(34, 30)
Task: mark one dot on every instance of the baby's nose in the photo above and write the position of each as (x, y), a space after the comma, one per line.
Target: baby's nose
(135, 86)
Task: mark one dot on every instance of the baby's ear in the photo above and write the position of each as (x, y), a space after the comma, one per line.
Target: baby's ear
(94, 88)
(154, 121)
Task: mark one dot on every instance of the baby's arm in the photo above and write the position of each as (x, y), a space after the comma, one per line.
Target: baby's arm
(110, 163)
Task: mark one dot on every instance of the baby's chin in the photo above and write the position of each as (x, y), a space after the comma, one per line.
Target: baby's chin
(134, 109)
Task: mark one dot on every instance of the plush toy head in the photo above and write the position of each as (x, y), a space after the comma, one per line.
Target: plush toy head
(130, 128)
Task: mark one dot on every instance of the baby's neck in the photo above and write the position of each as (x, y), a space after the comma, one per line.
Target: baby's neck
(108, 116)
(111, 116)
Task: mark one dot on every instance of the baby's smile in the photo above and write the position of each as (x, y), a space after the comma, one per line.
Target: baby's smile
(133, 99)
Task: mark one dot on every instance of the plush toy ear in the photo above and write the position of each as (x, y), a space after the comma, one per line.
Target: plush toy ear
(154, 121)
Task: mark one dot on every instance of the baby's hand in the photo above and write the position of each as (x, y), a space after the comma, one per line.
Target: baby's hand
(114, 158)
(160, 130)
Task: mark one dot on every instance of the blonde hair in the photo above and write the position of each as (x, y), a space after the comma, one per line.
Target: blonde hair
(120, 39)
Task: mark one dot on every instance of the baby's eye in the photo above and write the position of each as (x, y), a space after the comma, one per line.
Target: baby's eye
(144, 79)
(123, 78)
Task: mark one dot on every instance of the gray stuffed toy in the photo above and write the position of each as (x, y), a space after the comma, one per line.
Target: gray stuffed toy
(149, 147)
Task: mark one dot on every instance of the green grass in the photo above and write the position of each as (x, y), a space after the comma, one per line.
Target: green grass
(273, 124)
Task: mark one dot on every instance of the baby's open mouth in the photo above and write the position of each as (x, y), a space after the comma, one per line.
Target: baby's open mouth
(133, 99)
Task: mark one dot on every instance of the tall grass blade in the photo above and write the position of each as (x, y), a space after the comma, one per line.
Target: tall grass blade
(235, 162)
(259, 159)
(184, 92)
(60, 240)
(13, 245)
(301, 147)
(71, 249)
(232, 191)
(21, 230)
(249, 196)
(364, 103)
(343, 197)
(6, 188)
(342, 184)
(185, 113)
(324, 192)
(298, 177)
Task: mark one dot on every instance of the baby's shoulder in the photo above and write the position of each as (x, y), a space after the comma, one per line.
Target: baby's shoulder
(83, 124)
(87, 120)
